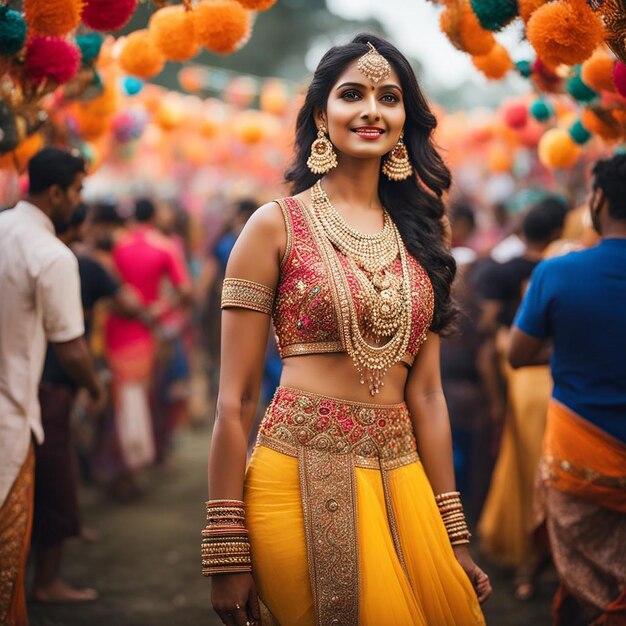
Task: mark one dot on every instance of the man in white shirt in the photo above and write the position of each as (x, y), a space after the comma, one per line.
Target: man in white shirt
(39, 302)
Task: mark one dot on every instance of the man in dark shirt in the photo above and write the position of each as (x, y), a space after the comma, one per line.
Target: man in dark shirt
(56, 515)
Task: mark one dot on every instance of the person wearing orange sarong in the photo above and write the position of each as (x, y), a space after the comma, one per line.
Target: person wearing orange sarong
(577, 302)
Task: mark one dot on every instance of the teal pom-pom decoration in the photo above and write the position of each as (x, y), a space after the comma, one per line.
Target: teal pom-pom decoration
(620, 150)
(12, 31)
(495, 14)
(525, 68)
(90, 45)
(132, 86)
(579, 133)
(541, 110)
(578, 90)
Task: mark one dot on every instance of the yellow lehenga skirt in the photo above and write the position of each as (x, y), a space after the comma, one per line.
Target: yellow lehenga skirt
(344, 528)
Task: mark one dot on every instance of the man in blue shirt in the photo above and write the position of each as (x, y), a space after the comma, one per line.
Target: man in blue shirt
(574, 315)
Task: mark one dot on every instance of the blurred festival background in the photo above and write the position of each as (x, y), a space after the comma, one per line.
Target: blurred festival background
(192, 104)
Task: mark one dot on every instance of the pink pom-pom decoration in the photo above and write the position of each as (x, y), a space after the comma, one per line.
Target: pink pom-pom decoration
(51, 58)
(108, 14)
(619, 78)
(515, 114)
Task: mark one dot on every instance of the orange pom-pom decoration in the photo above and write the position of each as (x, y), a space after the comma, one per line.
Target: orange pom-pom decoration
(463, 29)
(494, 65)
(257, 5)
(221, 26)
(528, 7)
(565, 32)
(140, 56)
(18, 159)
(557, 149)
(597, 71)
(172, 30)
(56, 17)
(108, 14)
(602, 123)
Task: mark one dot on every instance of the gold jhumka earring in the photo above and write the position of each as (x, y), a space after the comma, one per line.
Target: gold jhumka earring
(397, 166)
(323, 157)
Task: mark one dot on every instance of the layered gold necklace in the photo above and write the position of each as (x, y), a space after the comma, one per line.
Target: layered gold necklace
(385, 297)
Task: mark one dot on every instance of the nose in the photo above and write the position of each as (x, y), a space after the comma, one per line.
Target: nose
(370, 108)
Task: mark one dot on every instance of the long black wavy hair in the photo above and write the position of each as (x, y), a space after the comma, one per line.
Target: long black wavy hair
(415, 204)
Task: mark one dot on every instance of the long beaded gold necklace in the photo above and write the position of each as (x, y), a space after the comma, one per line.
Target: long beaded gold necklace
(385, 297)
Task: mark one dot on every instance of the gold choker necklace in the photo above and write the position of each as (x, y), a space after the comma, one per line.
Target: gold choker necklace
(385, 297)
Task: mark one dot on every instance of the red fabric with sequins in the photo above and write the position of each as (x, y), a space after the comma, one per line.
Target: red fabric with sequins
(304, 314)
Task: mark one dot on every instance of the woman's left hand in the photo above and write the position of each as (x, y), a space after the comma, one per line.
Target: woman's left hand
(478, 578)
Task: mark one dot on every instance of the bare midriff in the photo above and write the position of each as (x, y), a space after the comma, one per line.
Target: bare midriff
(336, 376)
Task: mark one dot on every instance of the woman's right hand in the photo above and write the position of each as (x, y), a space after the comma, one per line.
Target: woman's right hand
(235, 600)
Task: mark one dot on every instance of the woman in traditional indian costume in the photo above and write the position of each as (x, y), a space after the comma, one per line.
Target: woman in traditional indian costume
(347, 512)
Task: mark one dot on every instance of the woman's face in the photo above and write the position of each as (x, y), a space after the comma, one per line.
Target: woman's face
(364, 120)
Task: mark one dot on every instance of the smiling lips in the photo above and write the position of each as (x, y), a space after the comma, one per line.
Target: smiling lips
(370, 133)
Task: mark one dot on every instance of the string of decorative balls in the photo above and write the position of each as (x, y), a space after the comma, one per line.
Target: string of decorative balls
(580, 50)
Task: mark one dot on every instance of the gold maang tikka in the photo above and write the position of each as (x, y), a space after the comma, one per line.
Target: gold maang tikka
(374, 65)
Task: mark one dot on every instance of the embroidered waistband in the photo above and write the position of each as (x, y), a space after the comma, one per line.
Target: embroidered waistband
(378, 436)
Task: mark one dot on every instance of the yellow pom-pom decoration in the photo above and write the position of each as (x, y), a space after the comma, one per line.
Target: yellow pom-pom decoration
(140, 57)
(257, 5)
(557, 149)
(597, 71)
(172, 30)
(496, 64)
(565, 32)
(52, 17)
(221, 26)
(528, 7)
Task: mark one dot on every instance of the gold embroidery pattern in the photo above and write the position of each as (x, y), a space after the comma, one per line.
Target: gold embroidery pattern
(246, 294)
(14, 524)
(329, 506)
(553, 466)
(375, 434)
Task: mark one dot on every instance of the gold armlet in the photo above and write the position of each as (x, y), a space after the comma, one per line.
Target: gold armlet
(246, 294)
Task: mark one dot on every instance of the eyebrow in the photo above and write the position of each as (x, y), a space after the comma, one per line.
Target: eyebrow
(389, 86)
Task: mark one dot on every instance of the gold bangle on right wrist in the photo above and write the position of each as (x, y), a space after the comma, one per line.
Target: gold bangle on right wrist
(225, 547)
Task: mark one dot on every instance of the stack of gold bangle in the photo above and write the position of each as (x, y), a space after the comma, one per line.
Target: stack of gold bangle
(451, 510)
(225, 545)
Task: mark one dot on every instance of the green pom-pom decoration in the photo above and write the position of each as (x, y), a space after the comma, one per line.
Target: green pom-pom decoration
(525, 68)
(578, 90)
(90, 45)
(541, 110)
(495, 14)
(620, 150)
(12, 31)
(579, 133)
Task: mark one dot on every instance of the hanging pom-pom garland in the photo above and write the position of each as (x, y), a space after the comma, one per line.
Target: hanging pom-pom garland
(541, 110)
(172, 30)
(557, 149)
(51, 58)
(619, 78)
(52, 17)
(12, 31)
(257, 5)
(222, 26)
(494, 65)
(565, 32)
(597, 71)
(578, 90)
(140, 57)
(90, 45)
(494, 14)
(108, 14)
